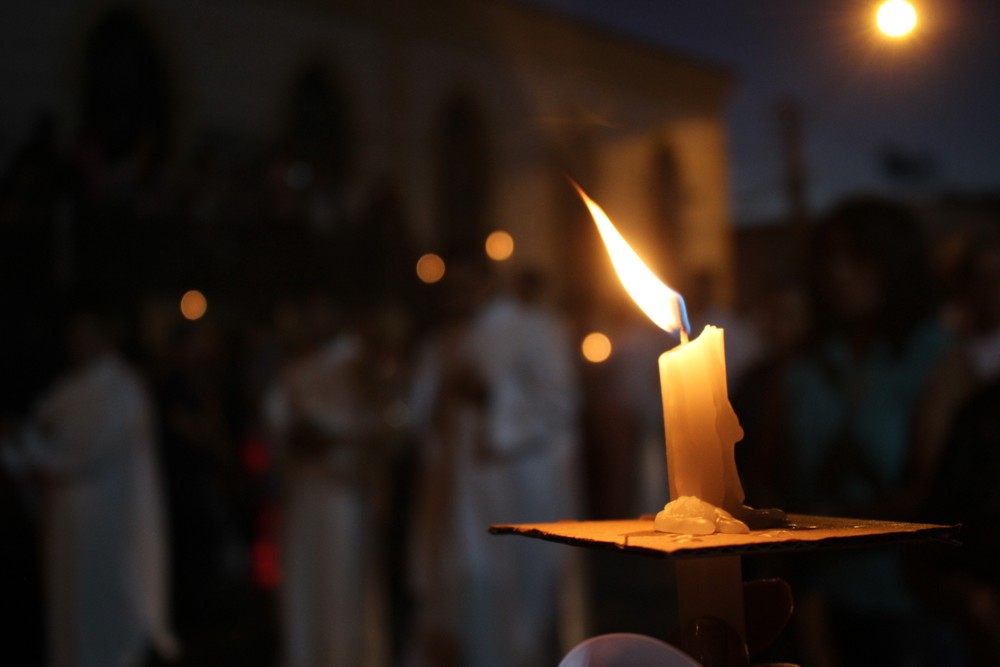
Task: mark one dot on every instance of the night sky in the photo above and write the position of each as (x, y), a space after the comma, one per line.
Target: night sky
(932, 99)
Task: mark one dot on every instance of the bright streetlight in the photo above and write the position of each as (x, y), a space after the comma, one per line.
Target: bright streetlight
(896, 18)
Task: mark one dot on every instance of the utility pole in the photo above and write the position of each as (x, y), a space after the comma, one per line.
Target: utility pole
(790, 124)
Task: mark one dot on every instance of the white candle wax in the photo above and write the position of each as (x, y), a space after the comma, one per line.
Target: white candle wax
(701, 426)
(702, 430)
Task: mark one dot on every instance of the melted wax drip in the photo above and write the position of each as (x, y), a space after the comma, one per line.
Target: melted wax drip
(689, 515)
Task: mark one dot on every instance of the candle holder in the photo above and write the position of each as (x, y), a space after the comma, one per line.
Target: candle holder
(709, 569)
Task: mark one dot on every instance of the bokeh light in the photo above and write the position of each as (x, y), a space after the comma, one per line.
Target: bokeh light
(430, 268)
(896, 18)
(596, 347)
(194, 305)
(499, 245)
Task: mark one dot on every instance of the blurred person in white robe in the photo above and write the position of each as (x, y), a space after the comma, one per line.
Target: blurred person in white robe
(495, 402)
(322, 424)
(90, 447)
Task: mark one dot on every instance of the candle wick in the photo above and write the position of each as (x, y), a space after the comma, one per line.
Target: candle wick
(680, 310)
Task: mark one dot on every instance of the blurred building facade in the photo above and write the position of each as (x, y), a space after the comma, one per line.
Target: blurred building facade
(474, 111)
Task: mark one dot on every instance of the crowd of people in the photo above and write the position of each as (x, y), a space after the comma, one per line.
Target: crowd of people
(856, 417)
(308, 480)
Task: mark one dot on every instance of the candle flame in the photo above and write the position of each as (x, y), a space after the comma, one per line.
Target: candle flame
(660, 303)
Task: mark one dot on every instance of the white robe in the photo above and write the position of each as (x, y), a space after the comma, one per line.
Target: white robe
(512, 459)
(329, 611)
(103, 525)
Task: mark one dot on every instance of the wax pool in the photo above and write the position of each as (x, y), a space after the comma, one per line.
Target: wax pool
(702, 430)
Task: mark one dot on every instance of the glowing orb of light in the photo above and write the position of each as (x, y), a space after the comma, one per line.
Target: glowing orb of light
(194, 305)
(430, 268)
(896, 18)
(499, 246)
(596, 347)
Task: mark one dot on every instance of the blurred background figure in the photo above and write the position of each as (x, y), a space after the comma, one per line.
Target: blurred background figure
(322, 425)
(963, 583)
(495, 400)
(90, 447)
(623, 420)
(866, 408)
(197, 446)
(976, 289)
(783, 320)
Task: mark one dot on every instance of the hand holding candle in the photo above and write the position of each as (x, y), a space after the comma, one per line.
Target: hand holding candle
(701, 426)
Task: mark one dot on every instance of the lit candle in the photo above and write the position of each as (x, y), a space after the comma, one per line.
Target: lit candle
(702, 431)
(701, 427)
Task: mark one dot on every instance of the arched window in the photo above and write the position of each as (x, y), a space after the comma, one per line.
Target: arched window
(316, 239)
(463, 174)
(126, 98)
(319, 123)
